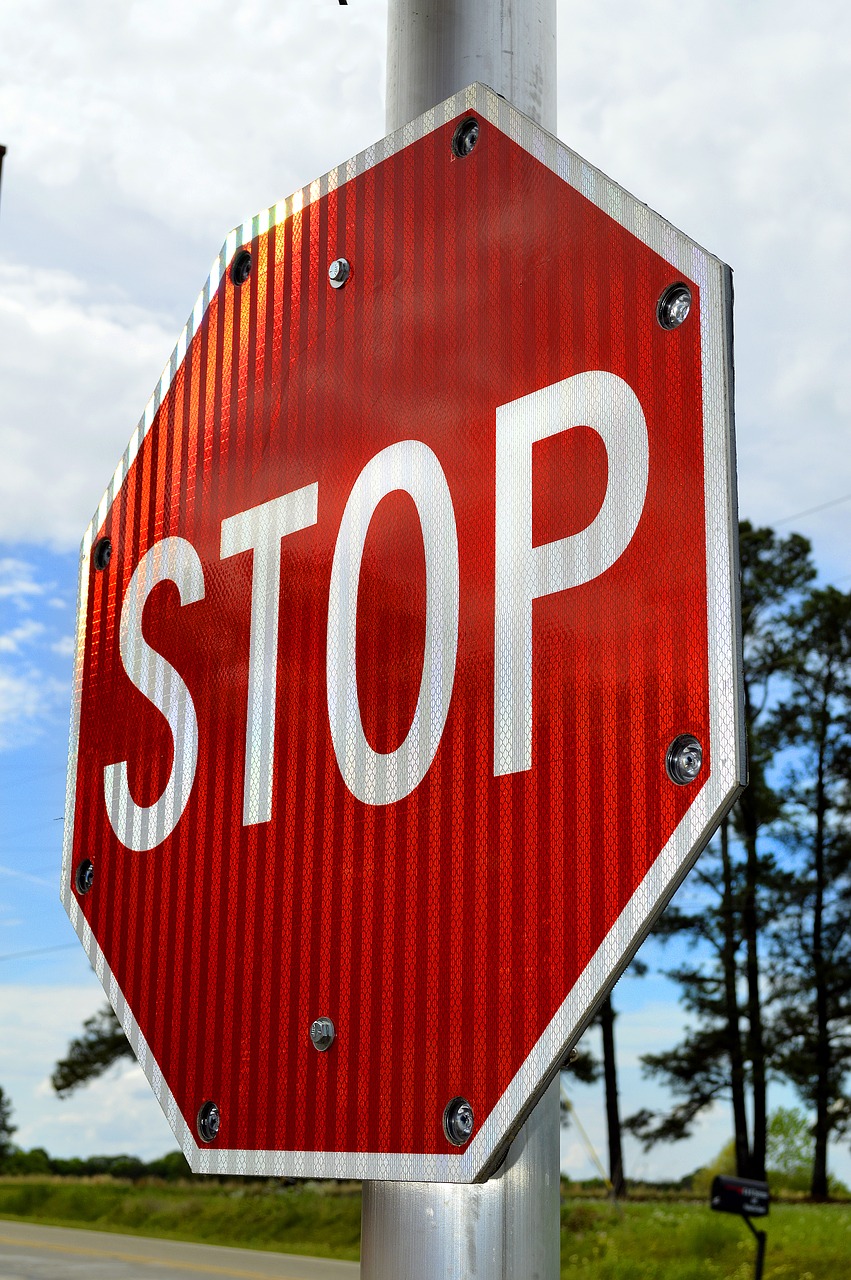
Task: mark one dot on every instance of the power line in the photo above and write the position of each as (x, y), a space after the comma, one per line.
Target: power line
(29, 828)
(588, 1144)
(811, 511)
(39, 951)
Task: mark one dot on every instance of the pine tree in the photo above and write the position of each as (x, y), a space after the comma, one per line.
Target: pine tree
(6, 1128)
(774, 572)
(726, 1052)
(606, 1018)
(812, 942)
(102, 1043)
(587, 1068)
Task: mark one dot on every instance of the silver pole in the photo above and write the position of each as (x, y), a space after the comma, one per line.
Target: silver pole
(503, 1229)
(436, 47)
(508, 1227)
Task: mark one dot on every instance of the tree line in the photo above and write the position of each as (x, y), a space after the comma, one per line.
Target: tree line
(36, 1162)
(764, 914)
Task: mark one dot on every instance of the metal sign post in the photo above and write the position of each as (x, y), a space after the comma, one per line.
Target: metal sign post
(504, 1229)
(508, 1227)
(437, 47)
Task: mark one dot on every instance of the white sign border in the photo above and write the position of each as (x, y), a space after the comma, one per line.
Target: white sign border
(727, 747)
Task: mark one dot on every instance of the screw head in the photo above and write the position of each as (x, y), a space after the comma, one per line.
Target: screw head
(465, 137)
(674, 305)
(209, 1121)
(240, 268)
(322, 1034)
(84, 876)
(684, 759)
(102, 553)
(458, 1121)
(339, 272)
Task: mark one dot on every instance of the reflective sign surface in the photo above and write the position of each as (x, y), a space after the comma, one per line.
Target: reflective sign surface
(417, 573)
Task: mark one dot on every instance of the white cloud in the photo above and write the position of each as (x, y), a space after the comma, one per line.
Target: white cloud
(196, 119)
(62, 435)
(27, 700)
(116, 1113)
(134, 1122)
(64, 647)
(17, 583)
(20, 698)
(11, 641)
(735, 124)
(17, 874)
(29, 695)
(138, 138)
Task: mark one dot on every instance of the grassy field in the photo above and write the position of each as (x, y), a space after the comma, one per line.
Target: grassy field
(312, 1218)
(680, 1240)
(640, 1240)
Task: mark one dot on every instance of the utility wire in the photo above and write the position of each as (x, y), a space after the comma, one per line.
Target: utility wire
(589, 1146)
(811, 511)
(39, 951)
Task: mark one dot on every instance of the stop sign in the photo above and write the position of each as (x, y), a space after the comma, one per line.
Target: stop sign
(406, 686)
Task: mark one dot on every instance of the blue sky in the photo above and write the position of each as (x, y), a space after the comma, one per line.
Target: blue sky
(136, 138)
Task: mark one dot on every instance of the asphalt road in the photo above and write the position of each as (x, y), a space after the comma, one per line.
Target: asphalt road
(29, 1251)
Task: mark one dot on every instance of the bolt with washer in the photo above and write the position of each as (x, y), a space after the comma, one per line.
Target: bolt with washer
(339, 272)
(322, 1034)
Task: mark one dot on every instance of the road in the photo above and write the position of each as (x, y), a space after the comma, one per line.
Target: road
(29, 1251)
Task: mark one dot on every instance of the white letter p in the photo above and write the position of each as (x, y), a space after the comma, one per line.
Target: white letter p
(524, 573)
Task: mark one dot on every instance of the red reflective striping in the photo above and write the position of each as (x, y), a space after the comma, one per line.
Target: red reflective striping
(441, 933)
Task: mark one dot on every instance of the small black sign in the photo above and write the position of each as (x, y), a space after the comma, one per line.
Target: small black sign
(744, 1196)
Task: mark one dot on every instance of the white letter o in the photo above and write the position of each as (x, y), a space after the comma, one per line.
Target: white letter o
(378, 777)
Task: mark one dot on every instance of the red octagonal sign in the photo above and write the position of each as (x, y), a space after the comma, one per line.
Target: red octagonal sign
(406, 686)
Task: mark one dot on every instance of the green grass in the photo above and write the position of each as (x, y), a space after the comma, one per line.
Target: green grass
(640, 1240)
(677, 1240)
(311, 1218)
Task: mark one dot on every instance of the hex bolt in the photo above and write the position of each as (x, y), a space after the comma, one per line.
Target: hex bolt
(674, 305)
(102, 553)
(240, 268)
(684, 759)
(339, 272)
(465, 137)
(84, 877)
(209, 1122)
(322, 1034)
(458, 1121)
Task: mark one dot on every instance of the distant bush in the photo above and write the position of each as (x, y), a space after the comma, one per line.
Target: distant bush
(19, 1163)
(789, 1158)
(170, 1167)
